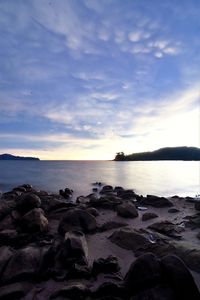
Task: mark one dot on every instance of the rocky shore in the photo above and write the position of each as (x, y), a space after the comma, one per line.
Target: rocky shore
(112, 244)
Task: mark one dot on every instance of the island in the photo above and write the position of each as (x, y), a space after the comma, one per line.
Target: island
(168, 153)
(13, 157)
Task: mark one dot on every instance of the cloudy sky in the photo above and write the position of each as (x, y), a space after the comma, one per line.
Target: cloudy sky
(84, 79)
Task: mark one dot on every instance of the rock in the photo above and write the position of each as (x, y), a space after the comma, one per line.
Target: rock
(95, 190)
(127, 210)
(129, 239)
(106, 189)
(55, 204)
(106, 265)
(143, 274)
(74, 248)
(35, 221)
(197, 205)
(66, 193)
(173, 210)
(180, 278)
(118, 189)
(148, 215)
(156, 201)
(93, 211)
(126, 194)
(77, 219)
(27, 202)
(5, 255)
(111, 225)
(160, 292)
(107, 201)
(109, 290)
(13, 291)
(167, 228)
(24, 264)
(74, 291)
(8, 237)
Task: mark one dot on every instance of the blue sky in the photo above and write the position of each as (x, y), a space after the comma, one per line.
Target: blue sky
(84, 79)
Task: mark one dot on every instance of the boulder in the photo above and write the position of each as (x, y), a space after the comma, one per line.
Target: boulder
(13, 291)
(106, 265)
(6, 254)
(127, 210)
(93, 211)
(143, 274)
(179, 278)
(8, 237)
(74, 291)
(129, 239)
(74, 248)
(35, 221)
(111, 225)
(167, 228)
(197, 205)
(27, 202)
(106, 189)
(149, 215)
(78, 220)
(109, 290)
(24, 264)
(66, 193)
(156, 201)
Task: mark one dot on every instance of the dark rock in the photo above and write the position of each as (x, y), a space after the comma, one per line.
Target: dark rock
(126, 194)
(66, 193)
(27, 202)
(8, 237)
(148, 215)
(13, 291)
(173, 210)
(108, 290)
(143, 274)
(111, 225)
(35, 221)
(167, 228)
(24, 264)
(107, 201)
(106, 265)
(127, 210)
(74, 248)
(156, 201)
(160, 292)
(74, 291)
(180, 278)
(5, 255)
(21, 189)
(95, 190)
(93, 211)
(106, 189)
(129, 239)
(197, 205)
(118, 189)
(77, 219)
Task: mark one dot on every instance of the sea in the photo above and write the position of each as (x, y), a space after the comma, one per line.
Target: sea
(163, 178)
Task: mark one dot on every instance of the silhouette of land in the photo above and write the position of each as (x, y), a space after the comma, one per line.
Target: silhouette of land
(168, 153)
(13, 157)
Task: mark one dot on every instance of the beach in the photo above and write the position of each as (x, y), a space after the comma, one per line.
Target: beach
(110, 244)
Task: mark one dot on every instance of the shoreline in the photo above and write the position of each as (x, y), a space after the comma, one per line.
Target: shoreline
(52, 246)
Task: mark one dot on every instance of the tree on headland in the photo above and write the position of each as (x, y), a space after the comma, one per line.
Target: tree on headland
(120, 156)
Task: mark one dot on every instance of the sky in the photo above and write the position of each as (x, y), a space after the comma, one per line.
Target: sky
(84, 79)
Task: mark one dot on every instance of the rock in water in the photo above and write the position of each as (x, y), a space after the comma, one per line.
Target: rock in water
(106, 265)
(156, 201)
(78, 220)
(127, 210)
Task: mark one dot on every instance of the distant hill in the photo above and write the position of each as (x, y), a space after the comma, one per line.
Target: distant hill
(169, 153)
(13, 157)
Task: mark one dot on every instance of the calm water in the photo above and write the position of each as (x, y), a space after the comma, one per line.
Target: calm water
(164, 178)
